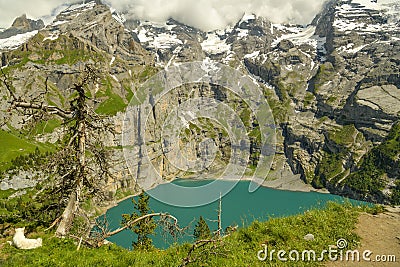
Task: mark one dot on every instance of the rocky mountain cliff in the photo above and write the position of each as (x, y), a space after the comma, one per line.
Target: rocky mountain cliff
(333, 86)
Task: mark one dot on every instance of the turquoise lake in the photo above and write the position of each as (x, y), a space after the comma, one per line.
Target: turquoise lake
(239, 207)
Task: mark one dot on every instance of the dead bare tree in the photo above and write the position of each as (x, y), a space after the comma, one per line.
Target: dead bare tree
(82, 162)
(101, 231)
(202, 249)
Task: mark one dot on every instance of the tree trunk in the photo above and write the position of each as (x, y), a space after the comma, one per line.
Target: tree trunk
(68, 215)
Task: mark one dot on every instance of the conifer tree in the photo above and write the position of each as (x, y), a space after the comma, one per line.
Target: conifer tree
(201, 230)
(143, 228)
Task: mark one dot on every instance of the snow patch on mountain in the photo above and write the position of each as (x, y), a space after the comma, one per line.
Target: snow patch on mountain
(15, 41)
(360, 15)
(242, 33)
(120, 18)
(298, 35)
(255, 54)
(165, 41)
(57, 23)
(350, 49)
(112, 61)
(143, 35)
(53, 36)
(301, 35)
(79, 7)
(209, 65)
(214, 45)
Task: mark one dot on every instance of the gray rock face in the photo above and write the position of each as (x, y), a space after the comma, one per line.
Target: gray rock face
(356, 85)
(23, 180)
(95, 23)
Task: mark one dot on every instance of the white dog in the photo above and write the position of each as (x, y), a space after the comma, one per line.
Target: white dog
(21, 242)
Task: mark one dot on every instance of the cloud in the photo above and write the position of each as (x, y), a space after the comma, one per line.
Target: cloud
(203, 14)
(217, 14)
(9, 10)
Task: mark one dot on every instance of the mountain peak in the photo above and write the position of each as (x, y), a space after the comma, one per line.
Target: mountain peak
(22, 25)
(20, 21)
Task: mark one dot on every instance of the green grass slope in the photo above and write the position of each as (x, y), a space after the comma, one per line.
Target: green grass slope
(12, 146)
(239, 249)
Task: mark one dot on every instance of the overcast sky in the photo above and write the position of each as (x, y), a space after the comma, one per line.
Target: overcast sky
(203, 14)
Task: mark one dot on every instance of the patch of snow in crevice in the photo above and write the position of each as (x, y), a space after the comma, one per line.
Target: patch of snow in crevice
(115, 78)
(177, 50)
(261, 80)
(120, 18)
(145, 36)
(265, 58)
(92, 26)
(255, 54)
(349, 48)
(91, 23)
(53, 36)
(242, 33)
(229, 57)
(312, 65)
(344, 25)
(306, 54)
(297, 36)
(112, 61)
(289, 67)
(59, 22)
(356, 49)
(344, 48)
(170, 62)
